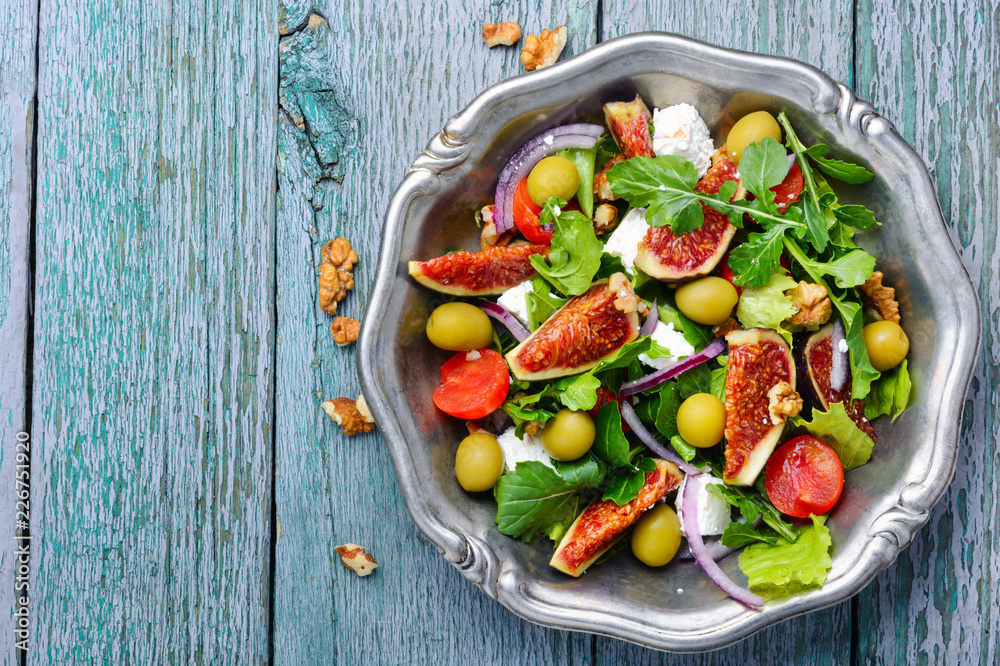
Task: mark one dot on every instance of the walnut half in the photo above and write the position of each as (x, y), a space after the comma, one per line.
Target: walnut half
(356, 559)
(501, 34)
(544, 49)
(348, 415)
(345, 330)
(335, 273)
(813, 305)
(879, 297)
(783, 402)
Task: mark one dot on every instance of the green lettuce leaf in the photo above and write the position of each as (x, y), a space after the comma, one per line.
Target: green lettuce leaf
(576, 253)
(835, 427)
(786, 568)
(890, 394)
(767, 306)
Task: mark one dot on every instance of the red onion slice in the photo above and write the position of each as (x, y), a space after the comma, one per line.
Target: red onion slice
(502, 315)
(689, 505)
(649, 325)
(578, 135)
(714, 348)
(839, 360)
(634, 422)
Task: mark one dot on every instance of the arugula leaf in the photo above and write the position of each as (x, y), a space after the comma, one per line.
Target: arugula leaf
(576, 253)
(579, 392)
(845, 171)
(718, 383)
(836, 428)
(611, 264)
(817, 233)
(787, 568)
(754, 261)
(848, 270)
(697, 335)
(606, 149)
(534, 498)
(767, 306)
(890, 394)
(624, 541)
(738, 535)
(541, 302)
(854, 215)
(666, 412)
(625, 355)
(763, 166)
(683, 449)
(584, 472)
(753, 503)
(610, 444)
(583, 159)
(696, 380)
(625, 487)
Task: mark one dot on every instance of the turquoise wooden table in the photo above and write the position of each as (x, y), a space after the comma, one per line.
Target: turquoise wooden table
(168, 174)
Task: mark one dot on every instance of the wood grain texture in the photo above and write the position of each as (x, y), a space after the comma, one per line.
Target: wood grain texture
(361, 96)
(941, 87)
(17, 90)
(819, 33)
(153, 392)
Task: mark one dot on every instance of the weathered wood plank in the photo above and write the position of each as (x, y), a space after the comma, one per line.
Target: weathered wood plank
(153, 392)
(17, 117)
(931, 68)
(819, 33)
(368, 90)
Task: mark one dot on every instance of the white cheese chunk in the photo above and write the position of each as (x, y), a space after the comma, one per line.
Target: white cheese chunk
(666, 336)
(515, 300)
(680, 130)
(517, 450)
(713, 513)
(624, 240)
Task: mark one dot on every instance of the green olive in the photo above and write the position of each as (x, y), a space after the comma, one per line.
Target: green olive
(568, 435)
(478, 462)
(554, 176)
(749, 129)
(887, 344)
(709, 300)
(701, 420)
(459, 327)
(657, 536)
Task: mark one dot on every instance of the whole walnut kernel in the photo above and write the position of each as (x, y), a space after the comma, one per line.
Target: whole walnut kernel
(335, 273)
(813, 305)
(783, 402)
(345, 330)
(505, 33)
(544, 49)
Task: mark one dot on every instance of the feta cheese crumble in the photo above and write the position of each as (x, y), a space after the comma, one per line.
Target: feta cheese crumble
(713, 513)
(515, 300)
(842, 345)
(666, 336)
(680, 130)
(624, 241)
(517, 450)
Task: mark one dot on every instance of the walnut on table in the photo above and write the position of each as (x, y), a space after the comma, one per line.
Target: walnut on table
(351, 415)
(356, 559)
(345, 330)
(812, 304)
(880, 297)
(544, 49)
(505, 33)
(335, 273)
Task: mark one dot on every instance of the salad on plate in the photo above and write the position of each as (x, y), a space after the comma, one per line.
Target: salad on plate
(669, 346)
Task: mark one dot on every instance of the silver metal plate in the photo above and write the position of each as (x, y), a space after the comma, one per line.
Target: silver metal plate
(675, 608)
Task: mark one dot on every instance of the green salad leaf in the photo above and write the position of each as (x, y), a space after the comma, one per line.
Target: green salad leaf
(752, 504)
(763, 166)
(541, 302)
(666, 412)
(754, 261)
(718, 383)
(767, 306)
(786, 568)
(696, 380)
(576, 253)
(836, 428)
(890, 394)
(738, 535)
(625, 486)
(845, 171)
(610, 444)
(583, 159)
(683, 449)
(579, 392)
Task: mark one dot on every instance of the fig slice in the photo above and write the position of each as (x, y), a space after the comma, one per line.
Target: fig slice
(759, 359)
(671, 258)
(580, 334)
(815, 361)
(603, 522)
(492, 271)
(628, 123)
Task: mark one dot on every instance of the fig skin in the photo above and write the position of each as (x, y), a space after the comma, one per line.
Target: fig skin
(603, 522)
(579, 335)
(628, 123)
(759, 359)
(492, 271)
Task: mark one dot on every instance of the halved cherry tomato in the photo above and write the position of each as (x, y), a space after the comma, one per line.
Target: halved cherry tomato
(473, 384)
(804, 476)
(526, 216)
(789, 189)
